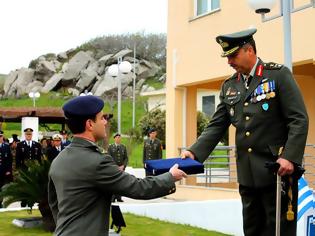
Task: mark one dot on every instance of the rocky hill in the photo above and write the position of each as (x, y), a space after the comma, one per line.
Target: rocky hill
(79, 70)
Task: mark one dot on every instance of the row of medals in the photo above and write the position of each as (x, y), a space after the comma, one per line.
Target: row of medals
(264, 91)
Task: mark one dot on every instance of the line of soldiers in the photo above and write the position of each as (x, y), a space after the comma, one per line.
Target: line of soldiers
(14, 154)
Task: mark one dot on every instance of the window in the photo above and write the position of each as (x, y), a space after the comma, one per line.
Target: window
(205, 6)
(208, 105)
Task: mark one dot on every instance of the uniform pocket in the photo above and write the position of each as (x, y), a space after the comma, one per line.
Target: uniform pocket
(274, 149)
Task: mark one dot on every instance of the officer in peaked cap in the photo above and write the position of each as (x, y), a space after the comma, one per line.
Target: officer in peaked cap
(28, 149)
(56, 148)
(230, 43)
(83, 178)
(263, 102)
(64, 138)
(152, 147)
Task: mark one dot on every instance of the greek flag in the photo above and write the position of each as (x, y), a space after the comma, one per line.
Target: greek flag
(306, 199)
(306, 210)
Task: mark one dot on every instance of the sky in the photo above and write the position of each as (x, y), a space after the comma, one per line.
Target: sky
(30, 28)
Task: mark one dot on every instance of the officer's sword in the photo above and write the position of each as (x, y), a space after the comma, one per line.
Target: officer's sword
(274, 166)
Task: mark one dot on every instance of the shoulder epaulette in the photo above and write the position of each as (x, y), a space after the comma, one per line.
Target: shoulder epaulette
(230, 77)
(272, 66)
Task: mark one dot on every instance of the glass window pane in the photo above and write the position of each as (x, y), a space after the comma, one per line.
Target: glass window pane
(202, 6)
(208, 105)
(215, 4)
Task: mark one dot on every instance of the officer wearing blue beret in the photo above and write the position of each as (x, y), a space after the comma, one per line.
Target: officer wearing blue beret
(152, 147)
(82, 178)
(118, 152)
(263, 102)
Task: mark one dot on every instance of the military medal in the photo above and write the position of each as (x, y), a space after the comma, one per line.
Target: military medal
(258, 98)
(272, 94)
(232, 111)
(265, 106)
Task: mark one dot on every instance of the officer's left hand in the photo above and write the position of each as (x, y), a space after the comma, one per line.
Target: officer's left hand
(286, 167)
(7, 173)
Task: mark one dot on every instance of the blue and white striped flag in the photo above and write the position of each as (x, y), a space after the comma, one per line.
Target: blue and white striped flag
(306, 198)
(306, 210)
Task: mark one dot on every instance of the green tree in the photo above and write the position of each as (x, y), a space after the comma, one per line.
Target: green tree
(202, 122)
(154, 119)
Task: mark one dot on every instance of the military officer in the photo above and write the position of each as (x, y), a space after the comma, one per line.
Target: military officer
(118, 152)
(55, 148)
(152, 148)
(65, 141)
(264, 103)
(5, 163)
(82, 179)
(27, 149)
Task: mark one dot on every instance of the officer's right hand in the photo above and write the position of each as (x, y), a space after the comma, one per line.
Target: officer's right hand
(177, 173)
(187, 154)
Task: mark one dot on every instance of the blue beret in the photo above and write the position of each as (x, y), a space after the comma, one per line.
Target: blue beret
(151, 130)
(83, 106)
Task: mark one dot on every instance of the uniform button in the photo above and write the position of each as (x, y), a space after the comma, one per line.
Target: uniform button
(249, 150)
(246, 104)
(247, 133)
(247, 118)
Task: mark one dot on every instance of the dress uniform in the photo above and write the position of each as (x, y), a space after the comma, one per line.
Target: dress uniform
(65, 140)
(267, 109)
(83, 178)
(53, 151)
(27, 150)
(5, 163)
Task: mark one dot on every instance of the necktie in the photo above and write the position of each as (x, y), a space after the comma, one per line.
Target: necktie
(248, 78)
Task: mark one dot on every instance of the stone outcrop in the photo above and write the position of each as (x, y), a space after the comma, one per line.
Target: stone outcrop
(78, 71)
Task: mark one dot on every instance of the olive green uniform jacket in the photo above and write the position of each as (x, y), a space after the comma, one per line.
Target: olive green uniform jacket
(152, 149)
(119, 154)
(82, 180)
(262, 127)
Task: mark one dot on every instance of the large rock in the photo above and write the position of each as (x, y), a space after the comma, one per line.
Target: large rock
(105, 58)
(62, 56)
(52, 83)
(34, 86)
(11, 77)
(107, 83)
(18, 87)
(152, 70)
(86, 78)
(77, 63)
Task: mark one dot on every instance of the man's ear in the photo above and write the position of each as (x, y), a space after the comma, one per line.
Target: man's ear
(88, 124)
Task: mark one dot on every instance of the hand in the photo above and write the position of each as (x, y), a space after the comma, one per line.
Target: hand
(286, 167)
(7, 173)
(177, 173)
(187, 154)
(121, 168)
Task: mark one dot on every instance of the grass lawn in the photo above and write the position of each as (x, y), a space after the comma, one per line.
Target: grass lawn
(136, 226)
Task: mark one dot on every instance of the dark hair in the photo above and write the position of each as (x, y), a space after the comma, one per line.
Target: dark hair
(77, 124)
(252, 44)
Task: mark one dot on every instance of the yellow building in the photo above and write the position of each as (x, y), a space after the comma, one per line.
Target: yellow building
(194, 62)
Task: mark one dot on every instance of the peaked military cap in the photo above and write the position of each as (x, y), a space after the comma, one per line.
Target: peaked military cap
(63, 131)
(28, 130)
(83, 106)
(230, 43)
(117, 135)
(56, 137)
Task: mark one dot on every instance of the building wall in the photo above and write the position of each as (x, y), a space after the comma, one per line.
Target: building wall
(194, 62)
